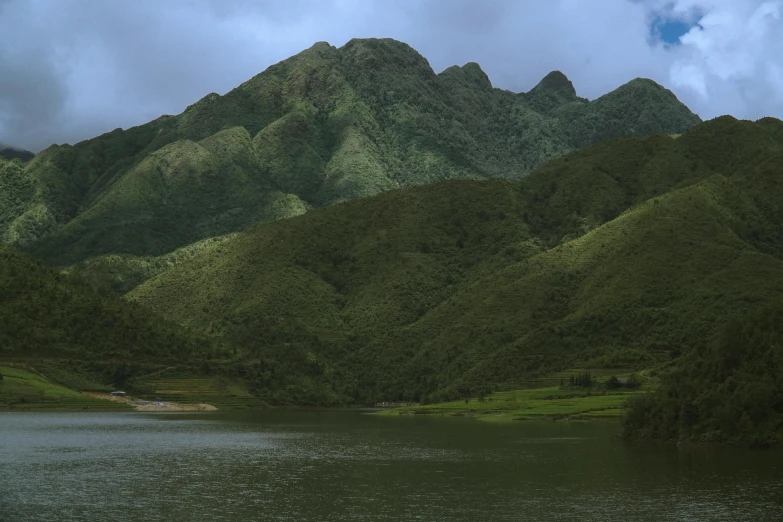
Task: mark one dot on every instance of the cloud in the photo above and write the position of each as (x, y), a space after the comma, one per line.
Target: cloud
(733, 60)
(72, 69)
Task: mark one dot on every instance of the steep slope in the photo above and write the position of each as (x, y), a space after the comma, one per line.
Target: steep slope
(560, 201)
(17, 196)
(180, 194)
(632, 246)
(44, 313)
(118, 274)
(327, 125)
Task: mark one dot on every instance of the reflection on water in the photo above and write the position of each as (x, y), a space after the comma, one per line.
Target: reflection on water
(347, 466)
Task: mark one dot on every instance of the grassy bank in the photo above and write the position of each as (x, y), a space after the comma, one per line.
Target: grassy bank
(549, 401)
(55, 385)
(22, 389)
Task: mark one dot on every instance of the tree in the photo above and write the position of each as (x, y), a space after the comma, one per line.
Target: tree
(120, 375)
(317, 369)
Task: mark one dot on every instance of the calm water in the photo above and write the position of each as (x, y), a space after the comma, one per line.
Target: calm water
(349, 466)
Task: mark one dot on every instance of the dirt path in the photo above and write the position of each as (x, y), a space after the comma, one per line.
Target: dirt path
(142, 405)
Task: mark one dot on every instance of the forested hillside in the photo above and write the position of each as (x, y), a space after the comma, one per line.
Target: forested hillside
(327, 125)
(730, 391)
(631, 249)
(45, 314)
(633, 252)
(527, 233)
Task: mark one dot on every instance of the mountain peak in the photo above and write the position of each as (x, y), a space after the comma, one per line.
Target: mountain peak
(475, 74)
(641, 93)
(551, 92)
(321, 46)
(470, 73)
(638, 84)
(369, 54)
(558, 82)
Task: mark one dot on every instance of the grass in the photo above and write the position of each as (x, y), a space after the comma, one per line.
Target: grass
(551, 401)
(22, 389)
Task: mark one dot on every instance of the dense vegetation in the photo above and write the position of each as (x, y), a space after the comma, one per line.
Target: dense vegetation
(508, 255)
(628, 252)
(730, 391)
(324, 126)
(44, 313)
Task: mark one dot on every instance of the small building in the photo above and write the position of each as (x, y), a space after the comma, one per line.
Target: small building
(118, 393)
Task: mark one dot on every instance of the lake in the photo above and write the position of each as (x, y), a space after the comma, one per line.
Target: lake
(346, 465)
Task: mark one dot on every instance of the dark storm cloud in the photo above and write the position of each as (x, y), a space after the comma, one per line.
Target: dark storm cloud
(72, 69)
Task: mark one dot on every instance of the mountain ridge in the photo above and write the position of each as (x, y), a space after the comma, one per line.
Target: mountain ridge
(326, 125)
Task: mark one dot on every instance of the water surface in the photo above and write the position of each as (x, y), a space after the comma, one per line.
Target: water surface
(343, 465)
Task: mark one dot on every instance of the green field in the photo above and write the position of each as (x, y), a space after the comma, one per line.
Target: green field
(24, 390)
(549, 401)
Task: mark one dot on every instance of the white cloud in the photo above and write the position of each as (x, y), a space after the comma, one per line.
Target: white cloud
(733, 60)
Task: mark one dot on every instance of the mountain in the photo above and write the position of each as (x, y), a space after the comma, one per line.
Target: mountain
(327, 125)
(629, 250)
(9, 152)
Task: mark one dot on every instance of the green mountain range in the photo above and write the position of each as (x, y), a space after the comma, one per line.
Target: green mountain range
(327, 125)
(529, 233)
(630, 250)
(625, 254)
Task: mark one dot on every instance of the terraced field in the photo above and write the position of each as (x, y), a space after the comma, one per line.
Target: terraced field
(218, 392)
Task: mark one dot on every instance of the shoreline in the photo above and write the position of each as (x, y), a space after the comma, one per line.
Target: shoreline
(151, 406)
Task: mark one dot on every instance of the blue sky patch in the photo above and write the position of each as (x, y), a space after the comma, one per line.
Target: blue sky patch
(669, 30)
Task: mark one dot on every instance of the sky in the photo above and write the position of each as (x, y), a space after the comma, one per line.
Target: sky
(74, 69)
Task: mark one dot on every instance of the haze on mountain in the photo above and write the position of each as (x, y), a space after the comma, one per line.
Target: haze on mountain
(10, 152)
(327, 125)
